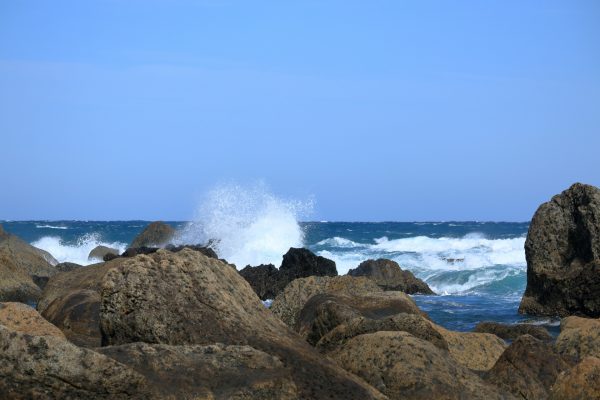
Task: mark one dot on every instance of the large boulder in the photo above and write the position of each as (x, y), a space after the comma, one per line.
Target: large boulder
(513, 331)
(157, 234)
(579, 337)
(389, 276)
(402, 366)
(265, 280)
(528, 368)
(323, 312)
(580, 382)
(187, 298)
(99, 252)
(20, 317)
(288, 304)
(563, 255)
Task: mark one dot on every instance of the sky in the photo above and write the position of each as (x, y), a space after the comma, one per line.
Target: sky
(383, 110)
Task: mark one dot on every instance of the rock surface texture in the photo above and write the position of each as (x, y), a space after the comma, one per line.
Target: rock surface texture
(99, 252)
(389, 276)
(580, 382)
(579, 337)
(511, 332)
(157, 234)
(563, 255)
(21, 318)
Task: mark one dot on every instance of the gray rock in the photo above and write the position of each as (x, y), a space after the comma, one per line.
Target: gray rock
(389, 275)
(99, 252)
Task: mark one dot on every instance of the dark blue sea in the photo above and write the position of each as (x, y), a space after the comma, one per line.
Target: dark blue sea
(477, 269)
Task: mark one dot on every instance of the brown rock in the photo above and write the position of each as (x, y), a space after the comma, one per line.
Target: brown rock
(389, 276)
(21, 318)
(157, 234)
(528, 368)
(513, 331)
(579, 337)
(288, 304)
(580, 382)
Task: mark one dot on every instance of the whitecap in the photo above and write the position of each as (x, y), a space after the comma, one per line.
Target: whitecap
(75, 253)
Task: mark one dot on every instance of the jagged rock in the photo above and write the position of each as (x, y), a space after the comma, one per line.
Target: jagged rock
(580, 382)
(563, 255)
(264, 280)
(513, 331)
(134, 251)
(476, 351)
(323, 312)
(402, 366)
(157, 234)
(414, 324)
(21, 318)
(528, 368)
(288, 304)
(99, 252)
(187, 298)
(389, 275)
(579, 337)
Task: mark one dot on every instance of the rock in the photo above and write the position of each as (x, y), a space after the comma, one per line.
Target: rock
(580, 382)
(48, 367)
(563, 255)
(99, 252)
(579, 337)
(513, 331)
(476, 351)
(207, 372)
(528, 368)
(264, 280)
(187, 298)
(206, 250)
(157, 234)
(404, 367)
(389, 276)
(15, 282)
(134, 251)
(67, 266)
(414, 324)
(323, 312)
(21, 318)
(288, 304)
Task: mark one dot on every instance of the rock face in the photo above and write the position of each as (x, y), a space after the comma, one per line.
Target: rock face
(189, 299)
(268, 281)
(563, 255)
(157, 234)
(288, 304)
(99, 252)
(579, 337)
(580, 382)
(21, 318)
(528, 368)
(511, 332)
(389, 276)
(404, 367)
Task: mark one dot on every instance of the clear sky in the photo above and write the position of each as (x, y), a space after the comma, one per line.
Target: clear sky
(380, 110)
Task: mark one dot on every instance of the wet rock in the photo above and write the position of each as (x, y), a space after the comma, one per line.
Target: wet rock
(579, 337)
(580, 382)
(389, 276)
(513, 331)
(157, 234)
(563, 255)
(21, 318)
(99, 252)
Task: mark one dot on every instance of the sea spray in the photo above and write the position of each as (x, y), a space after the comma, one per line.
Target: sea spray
(75, 252)
(247, 225)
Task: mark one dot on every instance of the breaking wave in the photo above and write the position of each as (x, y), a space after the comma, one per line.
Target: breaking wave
(75, 252)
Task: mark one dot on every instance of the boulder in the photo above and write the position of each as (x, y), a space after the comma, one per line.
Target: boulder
(15, 283)
(580, 382)
(186, 298)
(157, 234)
(402, 366)
(414, 324)
(579, 337)
(528, 368)
(99, 252)
(389, 276)
(323, 312)
(288, 304)
(563, 255)
(264, 280)
(513, 331)
(21, 318)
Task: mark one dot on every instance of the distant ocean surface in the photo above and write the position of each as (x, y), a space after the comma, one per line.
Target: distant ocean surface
(477, 268)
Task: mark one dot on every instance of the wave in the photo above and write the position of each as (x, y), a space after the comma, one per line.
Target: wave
(339, 242)
(75, 252)
(51, 227)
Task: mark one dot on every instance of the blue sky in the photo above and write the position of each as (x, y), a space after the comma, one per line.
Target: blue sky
(385, 110)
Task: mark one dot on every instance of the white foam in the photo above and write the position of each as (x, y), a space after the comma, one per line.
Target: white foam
(51, 227)
(77, 253)
(339, 242)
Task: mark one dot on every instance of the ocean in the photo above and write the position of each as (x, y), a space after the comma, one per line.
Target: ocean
(478, 269)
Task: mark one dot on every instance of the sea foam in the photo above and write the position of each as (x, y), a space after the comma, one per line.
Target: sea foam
(76, 252)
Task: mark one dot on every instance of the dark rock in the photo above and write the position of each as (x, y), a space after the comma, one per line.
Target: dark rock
(206, 250)
(109, 257)
(264, 280)
(134, 251)
(67, 266)
(563, 255)
(157, 234)
(513, 331)
(528, 368)
(389, 275)
(99, 252)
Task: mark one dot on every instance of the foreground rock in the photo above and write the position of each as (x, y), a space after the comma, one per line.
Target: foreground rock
(157, 234)
(21, 318)
(288, 304)
(389, 276)
(403, 367)
(513, 331)
(99, 252)
(580, 382)
(579, 337)
(268, 281)
(528, 368)
(563, 255)
(189, 299)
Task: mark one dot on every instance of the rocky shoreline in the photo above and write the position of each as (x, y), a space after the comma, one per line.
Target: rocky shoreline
(167, 322)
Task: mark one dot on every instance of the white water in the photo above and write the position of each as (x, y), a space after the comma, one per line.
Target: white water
(77, 253)
(250, 225)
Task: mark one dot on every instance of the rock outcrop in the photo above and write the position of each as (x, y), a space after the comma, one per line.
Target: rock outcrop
(563, 255)
(513, 331)
(264, 280)
(389, 276)
(580, 382)
(157, 234)
(21, 318)
(99, 252)
(579, 337)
